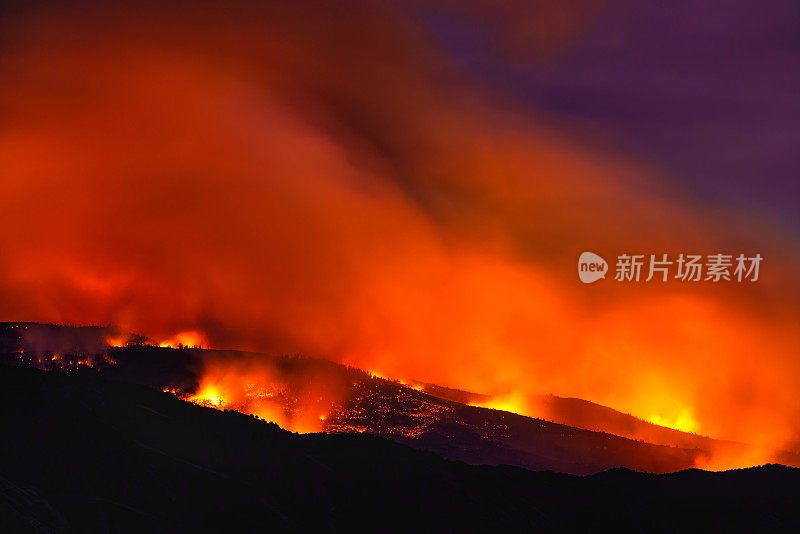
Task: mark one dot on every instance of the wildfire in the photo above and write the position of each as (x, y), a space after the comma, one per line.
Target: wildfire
(411, 384)
(513, 402)
(420, 259)
(683, 421)
(286, 396)
(117, 342)
(679, 419)
(208, 395)
(724, 458)
(188, 339)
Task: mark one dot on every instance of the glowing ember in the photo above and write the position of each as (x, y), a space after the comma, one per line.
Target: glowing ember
(208, 395)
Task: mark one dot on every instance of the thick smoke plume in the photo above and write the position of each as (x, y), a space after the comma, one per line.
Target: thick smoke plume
(328, 182)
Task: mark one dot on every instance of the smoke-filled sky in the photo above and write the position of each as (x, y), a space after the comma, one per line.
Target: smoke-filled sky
(406, 187)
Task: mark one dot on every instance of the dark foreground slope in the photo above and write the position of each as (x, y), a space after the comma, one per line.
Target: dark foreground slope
(319, 395)
(84, 454)
(572, 436)
(354, 402)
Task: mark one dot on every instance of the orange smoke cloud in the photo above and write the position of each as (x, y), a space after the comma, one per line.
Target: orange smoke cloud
(331, 184)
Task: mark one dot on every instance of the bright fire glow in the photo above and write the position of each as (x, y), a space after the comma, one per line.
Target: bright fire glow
(113, 341)
(513, 402)
(293, 400)
(683, 421)
(397, 222)
(188, 339)
(208, 395)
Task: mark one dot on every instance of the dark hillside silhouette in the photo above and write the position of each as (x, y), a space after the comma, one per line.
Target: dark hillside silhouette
(434, 419)
(84, 454)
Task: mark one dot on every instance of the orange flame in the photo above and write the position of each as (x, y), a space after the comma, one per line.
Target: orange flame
(409, 215)
(115, 341)
(294, 401)
(188, 339)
